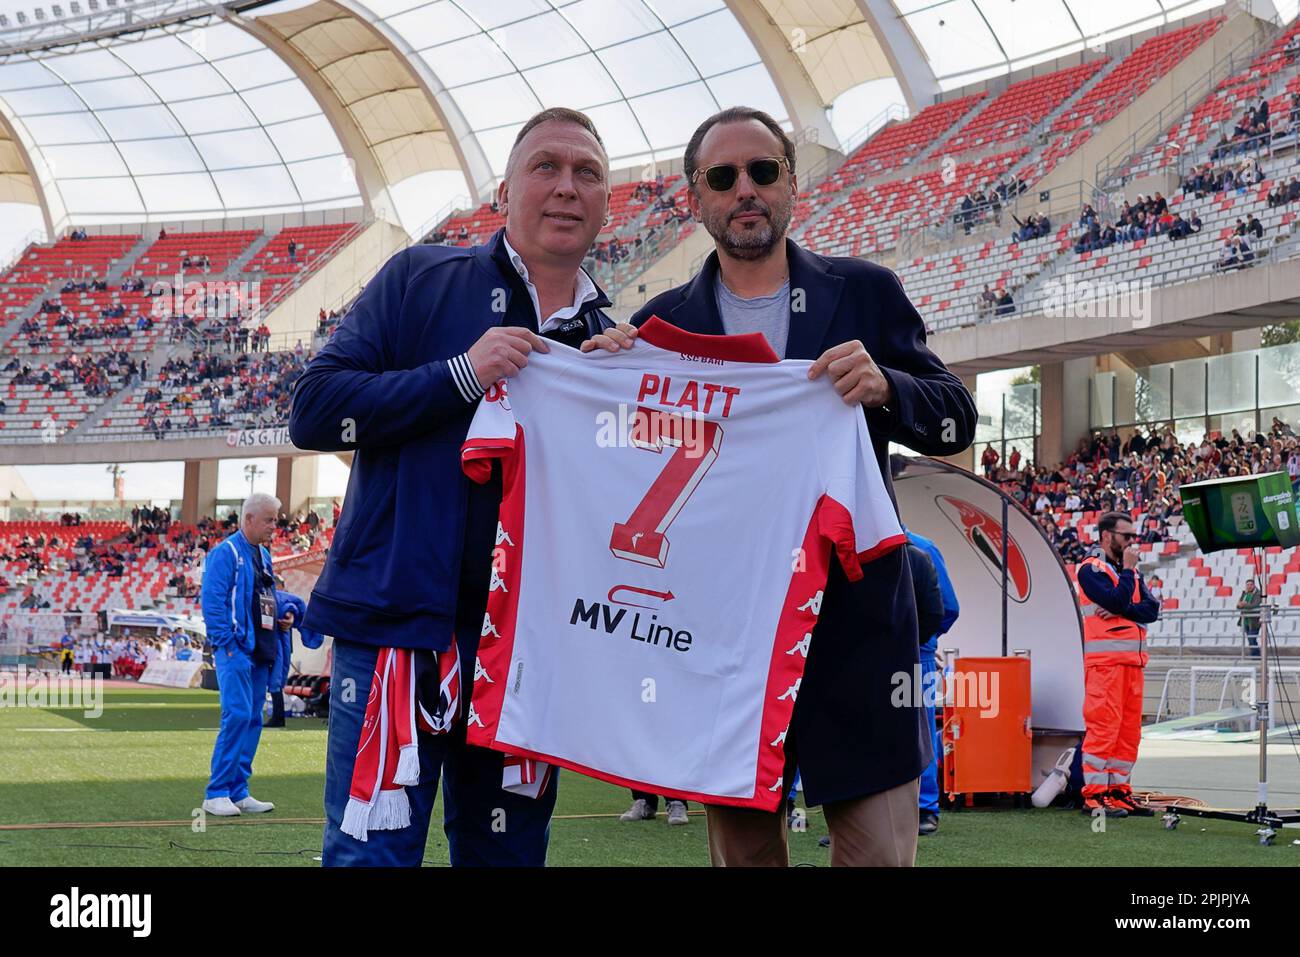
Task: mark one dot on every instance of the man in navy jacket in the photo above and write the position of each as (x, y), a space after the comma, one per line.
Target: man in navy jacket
(859, 756)
(410, 564)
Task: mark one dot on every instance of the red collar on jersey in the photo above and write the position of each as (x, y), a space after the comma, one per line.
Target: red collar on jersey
(748, 347)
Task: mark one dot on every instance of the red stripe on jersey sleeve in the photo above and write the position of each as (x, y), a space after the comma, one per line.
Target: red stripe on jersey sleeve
(497, 632)
(836, 524)
(476, 456)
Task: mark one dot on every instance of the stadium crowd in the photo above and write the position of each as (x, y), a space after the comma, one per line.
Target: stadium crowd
(252, 385)
(1254, 129)
(979, 206)
(125, 657)
(1140, 475)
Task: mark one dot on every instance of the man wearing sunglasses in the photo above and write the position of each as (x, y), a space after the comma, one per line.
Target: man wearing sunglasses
(859, 753)
(1116, 606)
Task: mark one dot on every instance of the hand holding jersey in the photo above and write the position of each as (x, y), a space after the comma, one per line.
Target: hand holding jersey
(658, 641)
(854, 374)
(502, 352)
(852, 371)
(859, 755)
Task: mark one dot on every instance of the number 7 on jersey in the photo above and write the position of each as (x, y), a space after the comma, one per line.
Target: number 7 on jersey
(696, 442)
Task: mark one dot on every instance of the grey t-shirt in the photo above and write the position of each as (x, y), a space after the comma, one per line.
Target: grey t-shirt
(769, 315)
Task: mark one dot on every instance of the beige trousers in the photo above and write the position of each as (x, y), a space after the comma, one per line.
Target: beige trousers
(879, 830)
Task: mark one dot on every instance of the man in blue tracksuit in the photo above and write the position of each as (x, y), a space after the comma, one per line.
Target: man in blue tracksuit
(411, 560)
(929, 799)
(239, 613)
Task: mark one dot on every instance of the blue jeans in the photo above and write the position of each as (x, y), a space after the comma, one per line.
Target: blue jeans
(929, 800)
(243, 692)
(485, 825)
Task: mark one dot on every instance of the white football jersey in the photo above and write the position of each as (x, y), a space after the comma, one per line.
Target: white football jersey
(668, 518)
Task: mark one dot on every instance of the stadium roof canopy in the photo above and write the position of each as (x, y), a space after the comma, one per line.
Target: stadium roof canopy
(178, 109)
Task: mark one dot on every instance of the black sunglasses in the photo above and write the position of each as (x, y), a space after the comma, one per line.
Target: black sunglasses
(763, 171)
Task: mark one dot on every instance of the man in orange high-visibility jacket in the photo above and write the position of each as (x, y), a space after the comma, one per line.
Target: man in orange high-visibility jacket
(1116, 607)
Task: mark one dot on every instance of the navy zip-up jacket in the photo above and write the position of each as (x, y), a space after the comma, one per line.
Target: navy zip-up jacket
(394, 386)
(1118, 598)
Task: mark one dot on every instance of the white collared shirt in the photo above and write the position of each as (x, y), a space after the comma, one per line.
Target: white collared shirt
(583, 290)
(462, 370)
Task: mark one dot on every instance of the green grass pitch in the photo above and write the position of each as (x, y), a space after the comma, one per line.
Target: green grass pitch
(143, 763)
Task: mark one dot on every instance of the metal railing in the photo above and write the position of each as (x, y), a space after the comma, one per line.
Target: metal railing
(1062, 204)
(615, 278)
(266, 307)
(1183, 617)
(17, 251)
(894, 111)
(457, 204)
(815, 174)
(90, 510)
(1112, 169)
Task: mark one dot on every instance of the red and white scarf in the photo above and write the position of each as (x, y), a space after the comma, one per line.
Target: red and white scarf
(388, 755)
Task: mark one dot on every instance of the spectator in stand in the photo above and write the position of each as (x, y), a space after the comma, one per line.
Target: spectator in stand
(293, 251)
(1248, 603)
(989, 461)
(1228, 254)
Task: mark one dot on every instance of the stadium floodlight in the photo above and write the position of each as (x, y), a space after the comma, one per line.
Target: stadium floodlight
(4, 21)
(58, 12)
(75, 7)
(94, 5)
(40, 14)
(22, 18)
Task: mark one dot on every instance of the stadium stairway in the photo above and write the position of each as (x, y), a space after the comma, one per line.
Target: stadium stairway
(81, 431)
(816, 203)
(940, 145)
(119, 267)
(1084, 89)
(1211, 56)
(330, 283)
(676, 267)
(236, 266)
(10, 329)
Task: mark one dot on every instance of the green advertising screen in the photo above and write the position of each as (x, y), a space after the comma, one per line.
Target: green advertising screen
(1241, 512)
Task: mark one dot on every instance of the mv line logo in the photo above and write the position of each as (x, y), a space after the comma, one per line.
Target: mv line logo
(599, 616)
(76, 910)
